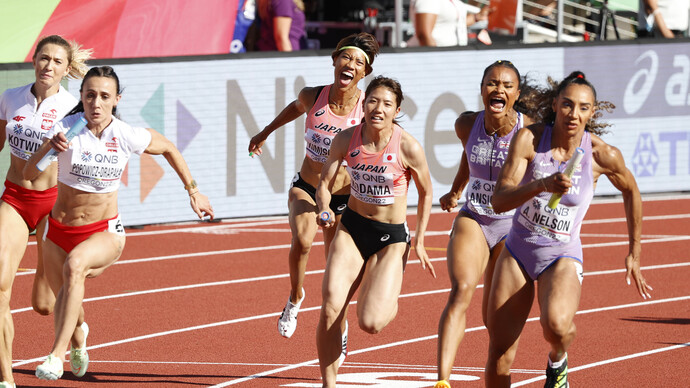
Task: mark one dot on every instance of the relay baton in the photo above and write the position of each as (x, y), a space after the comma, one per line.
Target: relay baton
(570, 168)
(73, 131)
(325, 216)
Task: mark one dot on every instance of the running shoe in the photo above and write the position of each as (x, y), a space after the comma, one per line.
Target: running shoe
(442, 384)
(557, 377)
(51, 369)
(288, 319)
(5, 384)
(79, 358)
(343, 344)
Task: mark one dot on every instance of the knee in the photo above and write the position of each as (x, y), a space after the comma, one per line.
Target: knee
(302, 244)
(42, 307)
(557, 326)
(373, 323)
(460, 296)
(74, 269)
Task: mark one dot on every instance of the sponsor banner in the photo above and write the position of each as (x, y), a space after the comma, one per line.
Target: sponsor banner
(211, 108)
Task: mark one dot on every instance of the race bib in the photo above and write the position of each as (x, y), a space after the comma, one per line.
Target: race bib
(556, 224)
(318, 144)
(371, 187)
(479, 194)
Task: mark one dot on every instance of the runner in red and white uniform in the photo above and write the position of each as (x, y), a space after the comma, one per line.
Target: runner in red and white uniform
(330, 109)
(372, 241)
(26, 114)
(85, 235)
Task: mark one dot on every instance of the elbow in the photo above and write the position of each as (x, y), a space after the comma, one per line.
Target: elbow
(498, 204)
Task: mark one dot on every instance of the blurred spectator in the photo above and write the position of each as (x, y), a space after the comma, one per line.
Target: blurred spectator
(543, 13)
(663, 18)
(441, 22)
(282, 25)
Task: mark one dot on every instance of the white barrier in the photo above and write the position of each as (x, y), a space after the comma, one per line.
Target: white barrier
(211, 108)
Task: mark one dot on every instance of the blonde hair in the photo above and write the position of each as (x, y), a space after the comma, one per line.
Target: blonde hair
(76, 56)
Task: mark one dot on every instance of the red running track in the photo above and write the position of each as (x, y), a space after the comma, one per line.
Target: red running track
(197, 305)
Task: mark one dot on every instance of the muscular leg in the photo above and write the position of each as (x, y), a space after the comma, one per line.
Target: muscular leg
(558, 292)
(508, 306)
(328, 235)
(14, 235)
(467, 254)
(343, 269)
(377, 303)
(88, 259)
(303, 225)
(42, 297)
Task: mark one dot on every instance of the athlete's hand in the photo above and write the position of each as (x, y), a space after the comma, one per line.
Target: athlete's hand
(448, 202)
(558, 183)
(256, 143)
(59, 142)
(201, 205)
(420, 251)
(632, 266)
(326, 218)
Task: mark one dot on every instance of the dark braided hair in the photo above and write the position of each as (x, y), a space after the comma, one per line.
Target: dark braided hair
(542, 102)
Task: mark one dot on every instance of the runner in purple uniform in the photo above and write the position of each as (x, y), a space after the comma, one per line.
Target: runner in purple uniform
(543, 245)
(478, 232)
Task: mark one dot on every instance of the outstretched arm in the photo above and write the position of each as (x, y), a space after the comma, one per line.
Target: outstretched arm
(415, 160)
(160, 145)
(609, 161)
(290, 113)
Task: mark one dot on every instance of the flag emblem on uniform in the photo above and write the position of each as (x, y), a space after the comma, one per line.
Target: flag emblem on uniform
(390, 158)
(352, 121)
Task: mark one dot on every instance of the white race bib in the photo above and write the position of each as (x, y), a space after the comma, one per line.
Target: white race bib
(556, 224)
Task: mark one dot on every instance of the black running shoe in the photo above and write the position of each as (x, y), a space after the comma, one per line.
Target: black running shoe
(557, 377)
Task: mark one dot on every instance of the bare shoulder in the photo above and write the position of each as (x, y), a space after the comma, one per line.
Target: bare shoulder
(606, 156)
(308, 95)
(464, 124)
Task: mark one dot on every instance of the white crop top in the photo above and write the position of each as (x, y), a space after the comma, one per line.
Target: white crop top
(95, 165)
(28, 122)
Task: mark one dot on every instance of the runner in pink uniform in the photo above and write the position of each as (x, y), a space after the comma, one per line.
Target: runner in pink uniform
(372, 241)
(330, 109)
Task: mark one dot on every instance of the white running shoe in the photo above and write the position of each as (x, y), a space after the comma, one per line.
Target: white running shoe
(343, 343)
(5, 384)
(79, 358)
(51, 369)
(288, 319)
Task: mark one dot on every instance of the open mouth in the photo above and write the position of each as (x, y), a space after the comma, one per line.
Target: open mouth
(497, 104)
(346, 77)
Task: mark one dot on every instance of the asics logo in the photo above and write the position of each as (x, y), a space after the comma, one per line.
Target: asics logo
(342, 207)
(354, 153)
(385, 237)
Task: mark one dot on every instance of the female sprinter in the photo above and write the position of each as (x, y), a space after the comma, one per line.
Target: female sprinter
(85, 234)
(372, 241)
(330, 109)
(26, 114)
(535, 249)
(478, 232)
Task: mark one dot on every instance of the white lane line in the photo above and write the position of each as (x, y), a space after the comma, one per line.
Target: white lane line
(433, 337)
(606, 362)
(318, 243)
(317, 272)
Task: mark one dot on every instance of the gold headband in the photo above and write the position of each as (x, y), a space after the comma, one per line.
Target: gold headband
(356, 48)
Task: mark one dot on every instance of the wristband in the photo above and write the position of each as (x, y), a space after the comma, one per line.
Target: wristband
(191, 185)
